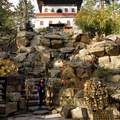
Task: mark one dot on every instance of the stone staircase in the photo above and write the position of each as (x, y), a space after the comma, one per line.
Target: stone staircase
(34, 98)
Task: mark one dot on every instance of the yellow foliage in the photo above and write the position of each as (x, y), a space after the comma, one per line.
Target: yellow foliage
(7, 66)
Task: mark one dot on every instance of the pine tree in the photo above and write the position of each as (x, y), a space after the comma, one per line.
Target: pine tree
(5, 16)
(22, 14)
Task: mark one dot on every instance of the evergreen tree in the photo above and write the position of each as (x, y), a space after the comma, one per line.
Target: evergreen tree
(23, 14)
(5, 17)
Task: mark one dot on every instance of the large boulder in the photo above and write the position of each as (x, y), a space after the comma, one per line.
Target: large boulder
(53, 36)
(69, 44)
(113, 78)
(76, 37)
(97, 51)
(28, 35)
(83, 55)
(39, 48)
(35, 42)
(67, 92)
(113, 37)
(68, 73)
(116, 61)
(79, 45)
(46, 56)
(110, 62)
(82, 64)
(104, 60)
(22, 41)
(85, 38)
(58, 63)
(55, 72)
(66, 96)
(67, 49)
(24, 49)
(79, 113)
(21, 57)
(66, 111)
(15, 96)
(37, 37)
(56, 44)
(22, 103)
(46, 42)
(107, 47)
(4, 55)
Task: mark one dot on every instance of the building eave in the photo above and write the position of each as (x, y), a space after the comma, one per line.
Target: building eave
(55, 15)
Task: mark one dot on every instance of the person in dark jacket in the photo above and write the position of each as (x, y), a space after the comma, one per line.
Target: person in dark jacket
(41, 91)
(28, 27)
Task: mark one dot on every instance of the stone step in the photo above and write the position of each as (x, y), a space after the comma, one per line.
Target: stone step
(41, 112)
(33, 108)
(34, 103)
(34, 91)
(32, 97)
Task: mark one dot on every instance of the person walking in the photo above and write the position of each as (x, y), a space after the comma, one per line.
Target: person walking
(41, 92)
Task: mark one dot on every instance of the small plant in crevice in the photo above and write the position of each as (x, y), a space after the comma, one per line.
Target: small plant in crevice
(8, 96)
(104, 73)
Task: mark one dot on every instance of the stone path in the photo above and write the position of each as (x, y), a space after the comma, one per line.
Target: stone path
(35, 114)
(37, 117)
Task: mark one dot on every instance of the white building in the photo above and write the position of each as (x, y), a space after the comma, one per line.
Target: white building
(55, 11)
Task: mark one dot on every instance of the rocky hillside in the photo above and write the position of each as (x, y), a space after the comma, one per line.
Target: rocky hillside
(67, 60)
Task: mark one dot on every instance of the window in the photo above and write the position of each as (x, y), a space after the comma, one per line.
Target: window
(73, 10)
(46, 10)
(52, 10)
(59, 11)
(68, 22)
(50, 22)
(41, 23)
(66, 10)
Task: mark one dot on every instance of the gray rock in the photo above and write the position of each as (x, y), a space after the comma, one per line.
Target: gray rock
(76, 37)
(28, 35)
(74, 64)
(54, 72)
(79, 113)
(53, 36)
(80, 102)
(67, 92)
(22, 103)
(21, 57)
(56, 44)
(40, 48)
(46, 42)
(15, 96)
(58, 63)
(79, 94)
(37, 37)
(66, 111)
(41, 112)
(85, 38)
(34, 42)
(22, 41)
(69, 44)
(100, 48)
(67, 49)
(24, 49)
(113, 78)
(46, 56)
(4, 55)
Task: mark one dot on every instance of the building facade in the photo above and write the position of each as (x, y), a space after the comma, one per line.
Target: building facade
(55, 11)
